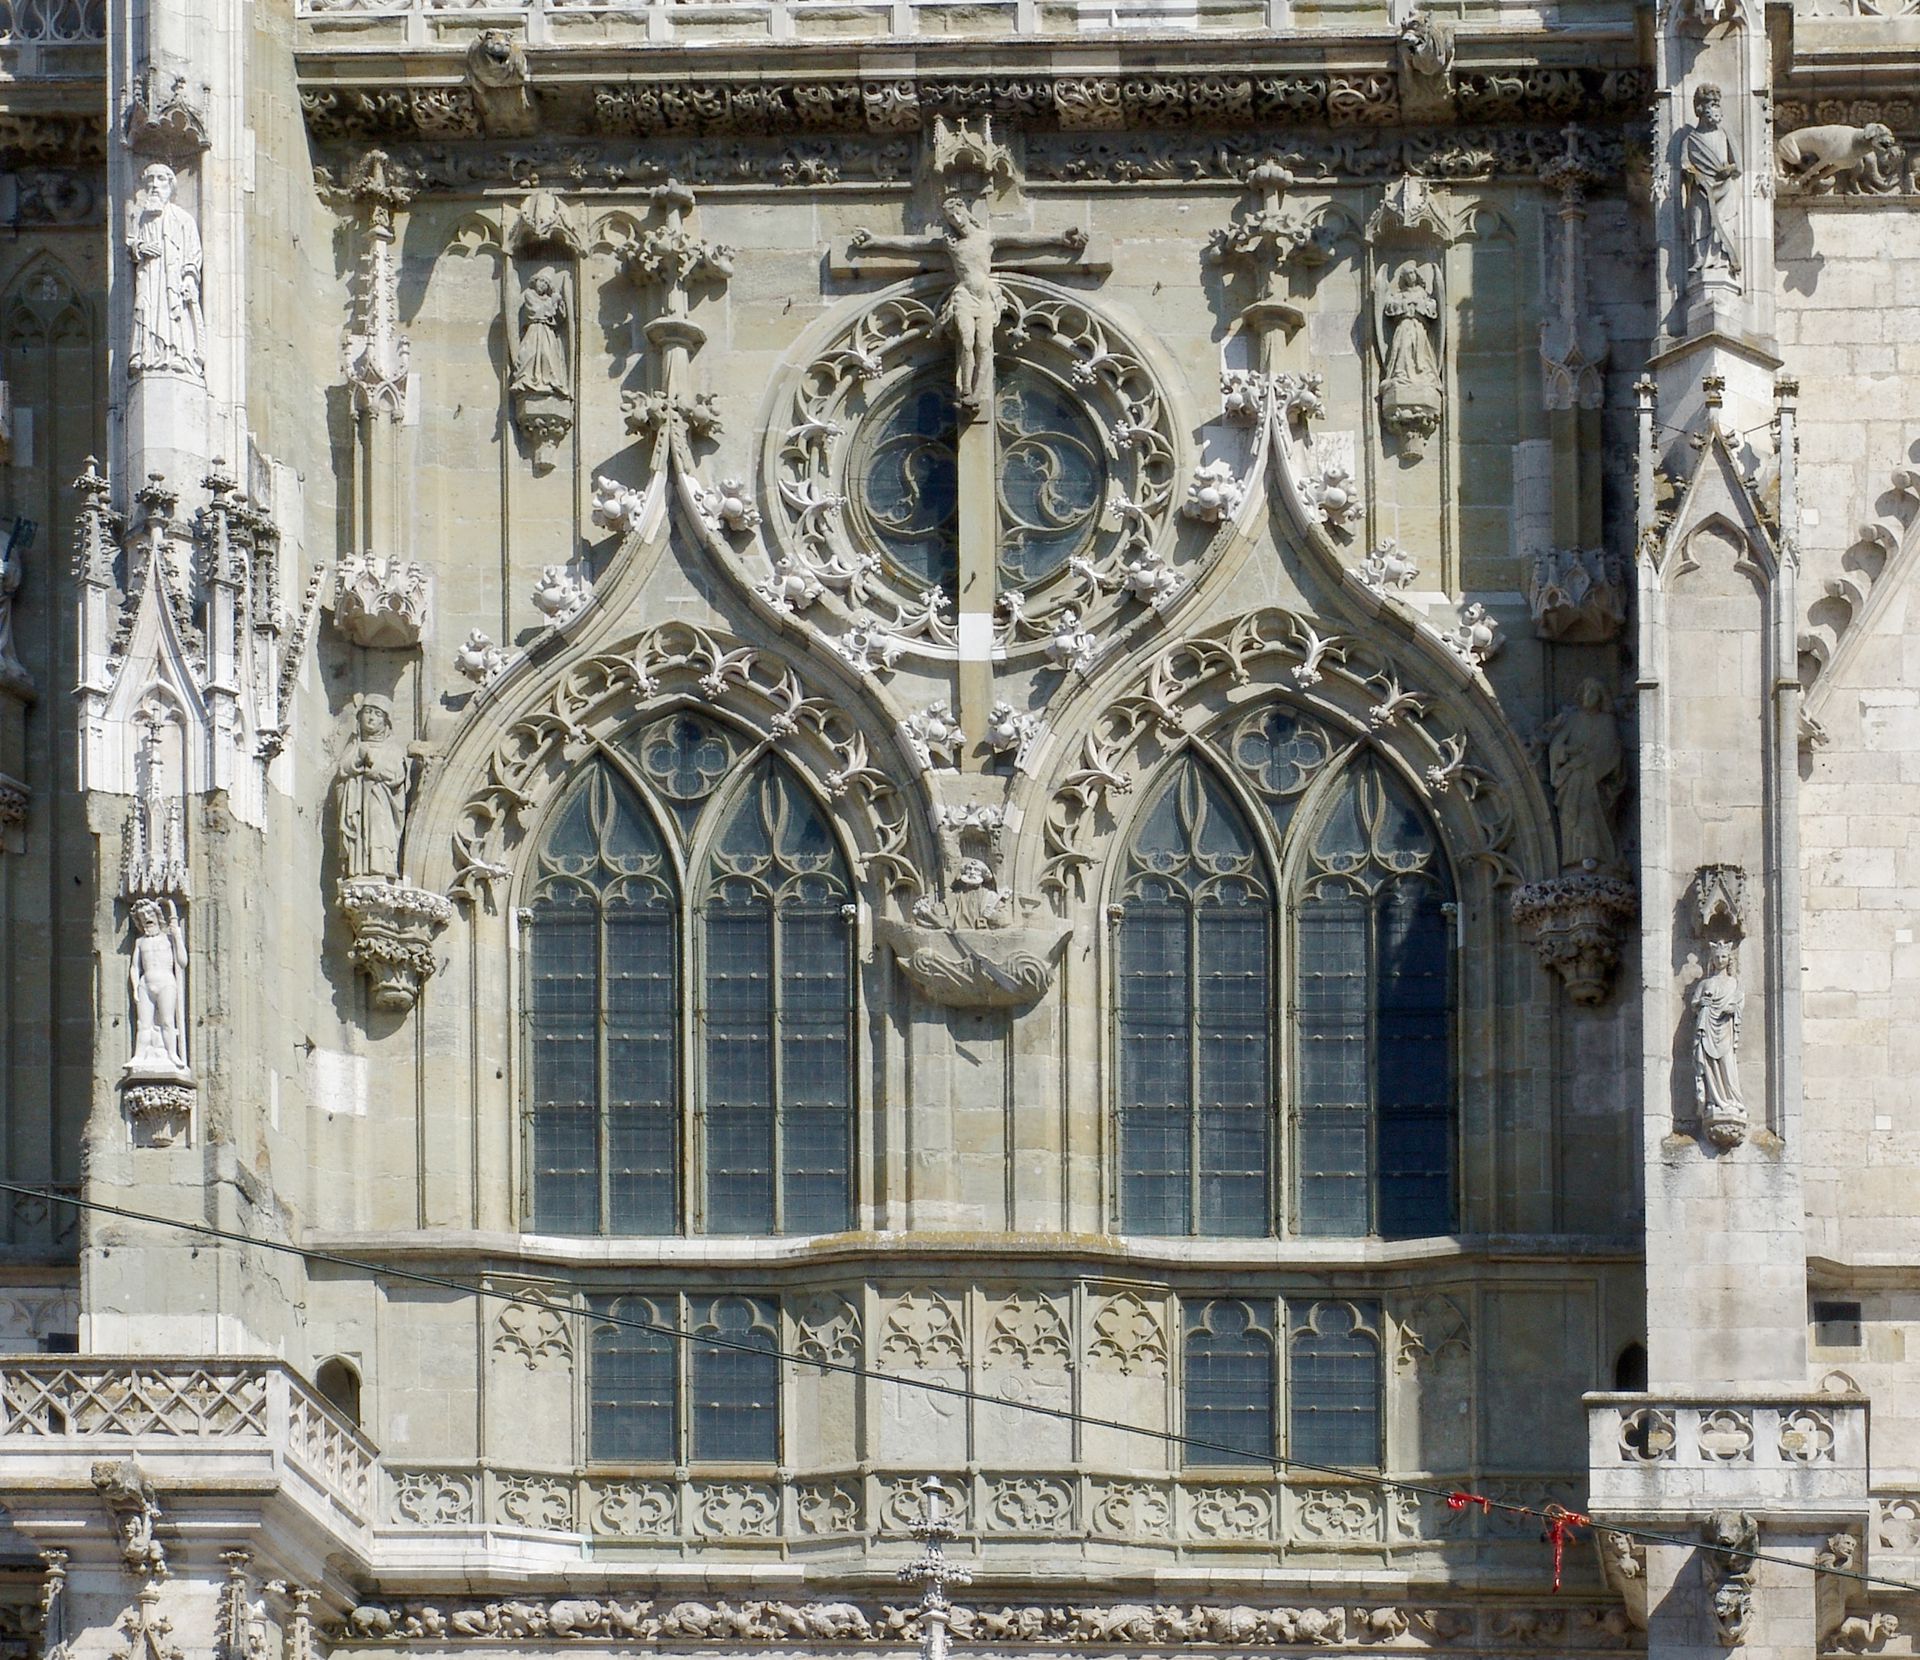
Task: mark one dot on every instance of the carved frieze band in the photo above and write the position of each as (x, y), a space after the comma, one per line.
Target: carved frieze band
(1567, 1629)
(763, 105)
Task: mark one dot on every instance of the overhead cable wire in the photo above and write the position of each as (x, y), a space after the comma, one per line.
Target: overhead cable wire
(1557, 1521)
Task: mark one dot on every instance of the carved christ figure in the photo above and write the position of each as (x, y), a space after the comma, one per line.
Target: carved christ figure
(974, 251)
(1717, 1000)
(370, 800)
(169, 331)
(540, 353)
(1584, 759)
(1709, 165)
(158, 974)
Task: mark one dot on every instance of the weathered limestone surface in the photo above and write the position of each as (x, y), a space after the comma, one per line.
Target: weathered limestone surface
(522, 392)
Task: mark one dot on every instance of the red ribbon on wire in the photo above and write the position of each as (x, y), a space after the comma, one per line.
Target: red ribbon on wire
(1460, 1501)
(1562, 1524)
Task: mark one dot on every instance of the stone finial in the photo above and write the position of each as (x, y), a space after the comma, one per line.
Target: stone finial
(932, 1572)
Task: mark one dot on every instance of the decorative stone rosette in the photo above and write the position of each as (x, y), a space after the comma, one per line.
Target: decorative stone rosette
(394, 927)
(1576, 923)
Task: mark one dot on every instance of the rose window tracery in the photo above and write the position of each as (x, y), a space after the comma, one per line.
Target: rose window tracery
(865, 470)
(1050, 479)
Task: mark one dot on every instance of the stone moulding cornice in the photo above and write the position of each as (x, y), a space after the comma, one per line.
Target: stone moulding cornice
(356, 93)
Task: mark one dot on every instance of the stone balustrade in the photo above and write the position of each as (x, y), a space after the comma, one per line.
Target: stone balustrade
(556, 22)
(1685, 1454)
(243, 1412)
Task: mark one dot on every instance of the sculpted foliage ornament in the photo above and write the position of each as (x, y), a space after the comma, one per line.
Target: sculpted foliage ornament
(1476, 638)
(1389, 567)
(678, 659)
(1214, 493)
(480, 660)
(1354, 669)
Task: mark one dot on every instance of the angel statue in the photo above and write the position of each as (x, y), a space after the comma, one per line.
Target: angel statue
(1406, 315)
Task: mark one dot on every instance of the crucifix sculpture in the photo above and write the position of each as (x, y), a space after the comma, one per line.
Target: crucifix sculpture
(975, 253)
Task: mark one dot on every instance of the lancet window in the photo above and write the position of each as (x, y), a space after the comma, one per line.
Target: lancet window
(1284, 996)
(684, 862)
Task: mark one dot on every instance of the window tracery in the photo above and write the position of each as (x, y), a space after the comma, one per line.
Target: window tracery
(742, 1123)
(1318, 1002)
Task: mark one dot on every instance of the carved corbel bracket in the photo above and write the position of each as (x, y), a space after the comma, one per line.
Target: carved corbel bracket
(1623, 1565)
(1577, 924)
(394, 927)
(977, 968)
(134, 1511)
(1731, 1537)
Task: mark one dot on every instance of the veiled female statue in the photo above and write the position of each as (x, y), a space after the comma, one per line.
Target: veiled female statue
(370, 795)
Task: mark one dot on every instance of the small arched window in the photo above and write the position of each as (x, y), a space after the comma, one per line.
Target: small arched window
(1333, 1379)
(1194, 966)
(1229, 1385)
(740, 1120)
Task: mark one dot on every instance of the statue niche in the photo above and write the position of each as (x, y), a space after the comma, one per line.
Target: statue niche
(393, 925)
(1407, 332)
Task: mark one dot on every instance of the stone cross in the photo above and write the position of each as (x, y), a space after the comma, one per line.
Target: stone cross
(932, 1571)
(976, 254)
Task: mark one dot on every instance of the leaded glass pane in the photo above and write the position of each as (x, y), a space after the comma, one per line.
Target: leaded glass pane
(1229, 1387)
(1053, 477)
(1050, 493)
(739, 1104)
(777, 1017)
(736, 1388)
(1333, 1386)
(1194, 1005)
(1415, 1133)
(1374, 1013)
(1331, 1028)
(601, 996)
(631, 1374)
(1233, 990)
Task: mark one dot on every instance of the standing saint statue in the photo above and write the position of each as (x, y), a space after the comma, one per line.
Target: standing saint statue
(169, 331)
(158, 973)
(1406, 326)
(1717, 1001)
(540, 353)
(1709, 165)
(974, 252)
(1584, 761)
(370, 795)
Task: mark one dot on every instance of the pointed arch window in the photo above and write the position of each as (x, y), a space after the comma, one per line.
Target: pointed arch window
(653, 1111)
(1324, 1003)
(1194, 961)
(1374, 994)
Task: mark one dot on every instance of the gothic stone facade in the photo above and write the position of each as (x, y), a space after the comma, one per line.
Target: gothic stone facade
(1191, 716)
